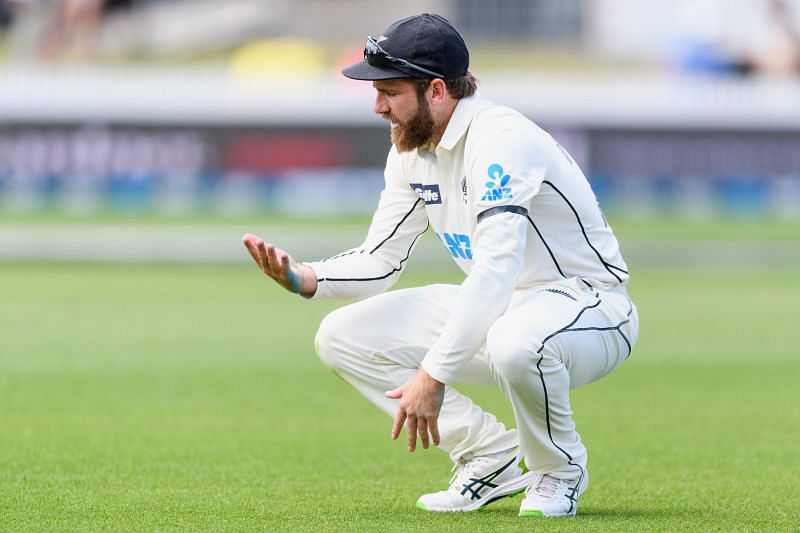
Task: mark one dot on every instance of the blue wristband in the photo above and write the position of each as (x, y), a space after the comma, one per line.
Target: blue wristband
(294, 282)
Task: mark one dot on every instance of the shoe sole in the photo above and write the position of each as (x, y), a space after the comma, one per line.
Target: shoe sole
(512, 488)
(533, 512)
(538, 513)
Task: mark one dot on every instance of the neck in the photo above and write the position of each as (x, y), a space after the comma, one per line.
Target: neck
(442, 119)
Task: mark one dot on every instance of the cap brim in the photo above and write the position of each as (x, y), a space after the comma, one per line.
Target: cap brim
(364, 71)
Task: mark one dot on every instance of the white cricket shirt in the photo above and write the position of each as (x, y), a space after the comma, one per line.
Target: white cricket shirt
(508, 203)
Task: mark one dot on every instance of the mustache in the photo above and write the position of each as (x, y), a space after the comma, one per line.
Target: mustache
(390, 118)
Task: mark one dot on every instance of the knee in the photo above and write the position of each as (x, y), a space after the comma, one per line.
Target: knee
(512, 353)
(329, 338)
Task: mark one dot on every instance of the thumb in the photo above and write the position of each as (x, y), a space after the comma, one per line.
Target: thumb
(394, 394)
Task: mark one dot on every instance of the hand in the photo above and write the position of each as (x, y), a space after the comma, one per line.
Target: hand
(420, 402)
(279, 265)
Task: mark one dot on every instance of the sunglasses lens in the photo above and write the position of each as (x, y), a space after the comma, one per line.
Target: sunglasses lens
(372, 48)
(377, 57)
(374, 55)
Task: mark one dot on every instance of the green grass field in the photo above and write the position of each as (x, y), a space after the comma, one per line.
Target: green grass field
(190, 398)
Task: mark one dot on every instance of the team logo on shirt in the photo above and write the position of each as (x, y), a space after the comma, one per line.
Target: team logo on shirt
(458, 244)
(496, 187)
(429, 193)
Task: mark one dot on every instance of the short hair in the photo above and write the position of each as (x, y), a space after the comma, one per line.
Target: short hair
(458, 88)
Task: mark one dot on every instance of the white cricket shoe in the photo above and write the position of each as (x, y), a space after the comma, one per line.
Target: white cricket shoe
(550, 496)
(478, 482)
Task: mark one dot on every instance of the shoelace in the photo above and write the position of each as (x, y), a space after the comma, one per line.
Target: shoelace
(466, 469)
(546, 487)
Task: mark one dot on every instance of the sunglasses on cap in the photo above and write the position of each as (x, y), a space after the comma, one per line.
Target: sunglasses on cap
(378, 57)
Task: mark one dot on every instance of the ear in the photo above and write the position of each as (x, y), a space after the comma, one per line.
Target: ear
(438, 91)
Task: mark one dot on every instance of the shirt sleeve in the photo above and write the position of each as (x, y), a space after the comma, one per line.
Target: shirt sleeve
(483, 296)
(371, 268)
(506, 169)
(506, 172)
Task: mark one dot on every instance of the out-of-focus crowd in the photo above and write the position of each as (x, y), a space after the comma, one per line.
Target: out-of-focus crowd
(739, 37)
(49, 30)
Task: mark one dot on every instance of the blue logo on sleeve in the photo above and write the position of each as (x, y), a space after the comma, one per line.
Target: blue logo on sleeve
(429, 193)
(458, 244)
(496, 186)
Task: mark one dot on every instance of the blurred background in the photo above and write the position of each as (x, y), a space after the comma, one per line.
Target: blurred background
(192, 111)
(151, 378)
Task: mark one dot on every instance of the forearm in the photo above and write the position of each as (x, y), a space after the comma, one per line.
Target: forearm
(466, 328)
(354, 276)
(482, 298)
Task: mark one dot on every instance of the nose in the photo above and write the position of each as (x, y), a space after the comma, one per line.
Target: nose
(381, 105)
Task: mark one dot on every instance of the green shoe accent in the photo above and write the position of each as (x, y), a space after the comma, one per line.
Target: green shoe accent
(421, 505)
(531, 512)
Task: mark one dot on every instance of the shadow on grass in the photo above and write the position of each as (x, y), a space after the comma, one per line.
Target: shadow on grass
(622, 513)
(632, 512)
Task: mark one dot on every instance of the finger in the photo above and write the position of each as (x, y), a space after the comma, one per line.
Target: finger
(433, 427)
(292, 280)
(412, 433)
(394, 394)
(249, 241)
(251, 248)
(262, 256)
(259, 258)
(422, 429)
(399, 419)
(274, 263)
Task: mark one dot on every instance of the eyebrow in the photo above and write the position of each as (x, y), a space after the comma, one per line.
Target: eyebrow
(391, 88)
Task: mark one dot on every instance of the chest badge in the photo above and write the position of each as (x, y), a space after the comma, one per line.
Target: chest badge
(429, 194)
(464, 190)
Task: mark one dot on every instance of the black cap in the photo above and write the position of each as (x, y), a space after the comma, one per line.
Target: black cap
(427, 41)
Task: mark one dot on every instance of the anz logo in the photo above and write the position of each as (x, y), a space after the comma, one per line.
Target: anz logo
(496, 186)
(458, 244)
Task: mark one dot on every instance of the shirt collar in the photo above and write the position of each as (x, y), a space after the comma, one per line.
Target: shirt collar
(459, 121)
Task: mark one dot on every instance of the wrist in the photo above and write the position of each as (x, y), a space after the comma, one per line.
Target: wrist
(434, 371)
(295, 281)
(430, 379)
(307, 282)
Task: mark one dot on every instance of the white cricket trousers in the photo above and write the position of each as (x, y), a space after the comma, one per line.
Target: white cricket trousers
(550, 339)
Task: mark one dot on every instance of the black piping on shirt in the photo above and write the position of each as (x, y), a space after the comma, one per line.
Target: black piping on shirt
(384, 276)
(397, 227)
(483, 215)
(606, 265)
(502, 209)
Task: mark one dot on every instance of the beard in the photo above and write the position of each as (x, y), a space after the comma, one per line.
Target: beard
(415, 132)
